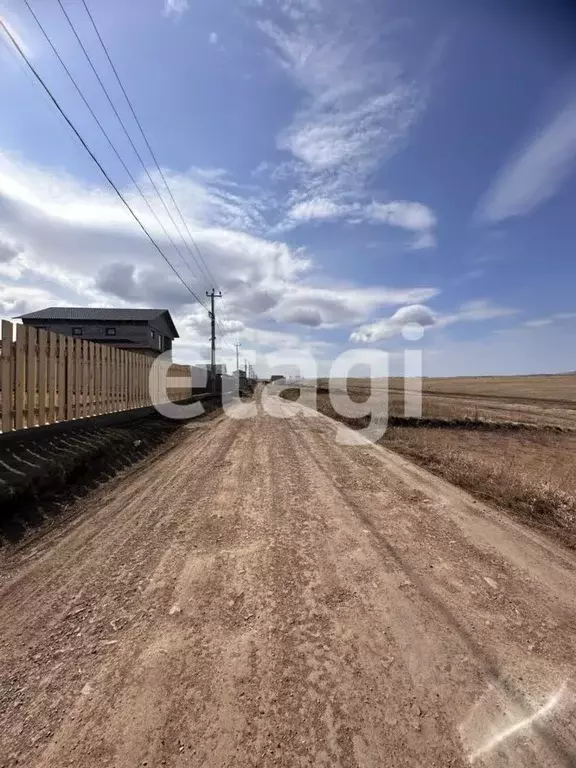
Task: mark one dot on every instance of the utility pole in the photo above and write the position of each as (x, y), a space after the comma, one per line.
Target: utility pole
(237, 345)
(246, 366)
(213, 295)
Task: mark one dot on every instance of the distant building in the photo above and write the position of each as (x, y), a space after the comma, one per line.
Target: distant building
(149, 331)
(219, 367)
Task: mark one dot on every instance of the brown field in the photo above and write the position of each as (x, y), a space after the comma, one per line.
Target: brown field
(531, 472)
(541, 400)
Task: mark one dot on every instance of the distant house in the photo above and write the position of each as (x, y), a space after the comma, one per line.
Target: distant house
(150, 331)
(220, 368)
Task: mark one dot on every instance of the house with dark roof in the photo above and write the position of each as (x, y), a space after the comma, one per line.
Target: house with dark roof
(150, 331)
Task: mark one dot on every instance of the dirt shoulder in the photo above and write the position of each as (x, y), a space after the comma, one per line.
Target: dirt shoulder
(263, 595)
(527, 470)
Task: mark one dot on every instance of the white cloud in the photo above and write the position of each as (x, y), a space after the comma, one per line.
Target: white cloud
(317, 208)
(565, 315)
(472, 311)
(386, 328)
(539, 322)
(175, 8)
(425, 240)
(341, 305)
(401, 213)
(9, 250)
(69, 243)
(213, 38)
(76, 235)
(358, 137)
(478, 310)
(412, 216)
(357, 105)
(537, 171)
(17, 300)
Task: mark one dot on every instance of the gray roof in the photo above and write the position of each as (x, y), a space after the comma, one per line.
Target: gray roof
(99, 313)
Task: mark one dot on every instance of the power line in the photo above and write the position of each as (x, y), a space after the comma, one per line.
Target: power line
(141, 129)
(103, 130)
(113, 147)
(206, 269)
(122, 124)
(94, 158)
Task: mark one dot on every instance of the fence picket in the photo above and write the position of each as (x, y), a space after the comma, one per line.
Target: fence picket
(47, 377)
(84, 403)
(42, 371)
(90, 374)
(51, 377)
(69, 395)
(20, 376)
(114, 352)
(31, 378)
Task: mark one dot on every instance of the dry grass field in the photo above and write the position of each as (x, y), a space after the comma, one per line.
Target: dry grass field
(478, 444)
(542, 400)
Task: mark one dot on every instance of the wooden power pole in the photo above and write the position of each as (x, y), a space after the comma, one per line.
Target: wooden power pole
(213, 295)
(237, 345)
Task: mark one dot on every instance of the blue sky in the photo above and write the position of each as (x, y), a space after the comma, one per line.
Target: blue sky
(345, 167)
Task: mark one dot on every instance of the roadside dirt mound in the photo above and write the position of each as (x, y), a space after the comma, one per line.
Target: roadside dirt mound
(42, 478)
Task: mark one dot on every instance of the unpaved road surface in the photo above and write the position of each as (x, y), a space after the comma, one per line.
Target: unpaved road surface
(261, 595)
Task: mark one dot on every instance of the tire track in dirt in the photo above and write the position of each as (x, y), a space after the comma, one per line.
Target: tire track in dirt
(430, 598)
(100, 591)
(261, 596)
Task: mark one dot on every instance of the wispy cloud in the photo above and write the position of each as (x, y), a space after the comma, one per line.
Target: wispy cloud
(413, 217)
(471, 311)
(213, 38)
(536, 172)
(539, 322)
(318, 208)
(175, 8)
(357, 105)
(342, 305)
(478, 310)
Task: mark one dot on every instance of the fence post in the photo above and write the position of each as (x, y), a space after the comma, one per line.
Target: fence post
(62, 377)
(99, 378)
(77, 378)
(123, 357)
(69, 398)
(51, 379)
(85, 405)
(20, 376)
(91, 361)
(115, 379)
(6, 382)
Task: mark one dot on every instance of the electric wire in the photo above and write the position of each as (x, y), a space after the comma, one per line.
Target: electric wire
(71, 125)
(119, 117)
(152, 154)
(103, 130)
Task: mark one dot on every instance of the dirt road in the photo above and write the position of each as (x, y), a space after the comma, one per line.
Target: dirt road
(260, 595)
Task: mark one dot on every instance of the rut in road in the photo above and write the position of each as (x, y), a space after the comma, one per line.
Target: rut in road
(262, 595)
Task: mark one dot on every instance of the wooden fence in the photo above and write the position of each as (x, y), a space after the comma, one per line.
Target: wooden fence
(46, 377)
